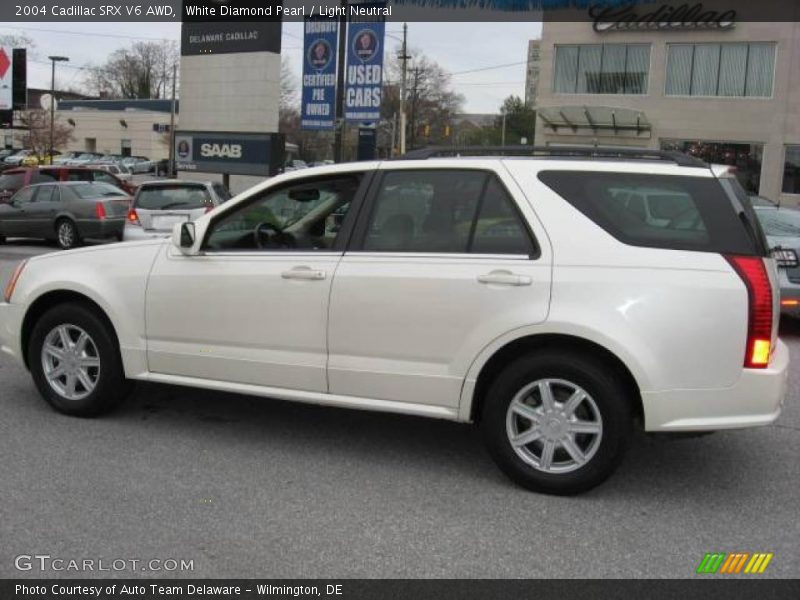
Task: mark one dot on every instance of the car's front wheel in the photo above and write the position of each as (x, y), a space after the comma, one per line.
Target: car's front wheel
(557, 422)
(67, 234)
(75, 362)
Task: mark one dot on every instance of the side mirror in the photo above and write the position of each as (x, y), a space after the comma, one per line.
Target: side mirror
(183, 238)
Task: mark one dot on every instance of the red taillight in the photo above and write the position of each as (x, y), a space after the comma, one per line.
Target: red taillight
(133, 218)
(100, 210)
(759, 294)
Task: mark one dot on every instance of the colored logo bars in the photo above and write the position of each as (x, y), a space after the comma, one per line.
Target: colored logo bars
(734, 563)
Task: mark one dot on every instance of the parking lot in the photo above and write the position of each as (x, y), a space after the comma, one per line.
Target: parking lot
(251, 487)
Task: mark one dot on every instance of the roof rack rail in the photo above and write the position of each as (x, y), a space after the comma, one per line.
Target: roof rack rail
(680, 159)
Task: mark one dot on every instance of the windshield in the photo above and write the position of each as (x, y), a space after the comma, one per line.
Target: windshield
(780, 222)
(165, 197)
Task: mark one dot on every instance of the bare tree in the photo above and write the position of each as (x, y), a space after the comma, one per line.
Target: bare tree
(143, 70)
(431, 102)
(289, 89)
(36, 124)
(18, 41)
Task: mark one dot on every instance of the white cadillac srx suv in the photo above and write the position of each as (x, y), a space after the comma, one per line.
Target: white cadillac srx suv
(558, 300)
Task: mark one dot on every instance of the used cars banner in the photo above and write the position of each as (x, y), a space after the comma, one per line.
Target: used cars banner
(364, 74)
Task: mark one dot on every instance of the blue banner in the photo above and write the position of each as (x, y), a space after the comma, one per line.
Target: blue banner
(364, 73)
(319, 74)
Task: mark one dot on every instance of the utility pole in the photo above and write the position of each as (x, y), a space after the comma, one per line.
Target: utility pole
(171, 162)
(54, 60)
(338, 140)
(503, 135)
(403, 57)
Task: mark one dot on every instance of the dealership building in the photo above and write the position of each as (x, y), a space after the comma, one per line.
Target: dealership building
(728, 94)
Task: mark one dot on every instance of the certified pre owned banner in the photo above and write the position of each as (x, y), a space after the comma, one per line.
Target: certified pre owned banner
(6, 78)
(319, 74)
(364, 74)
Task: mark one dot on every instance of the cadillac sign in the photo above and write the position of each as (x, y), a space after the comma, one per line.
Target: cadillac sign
(665, 18)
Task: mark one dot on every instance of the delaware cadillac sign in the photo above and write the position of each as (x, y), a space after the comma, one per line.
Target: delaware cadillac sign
(665, 18)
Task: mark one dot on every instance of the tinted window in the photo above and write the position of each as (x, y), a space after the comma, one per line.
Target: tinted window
(79, 175)
(303, 216)
(658, 211)
(498, 228)
(24, 195)
(43, 177)
(445, 211)
(222, 192)
(424, 211)
(12, 181)
(104, 177)
(166, 197)
(96, 190)
(47, 193)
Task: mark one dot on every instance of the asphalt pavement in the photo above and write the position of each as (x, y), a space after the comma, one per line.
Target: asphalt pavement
(248, 487)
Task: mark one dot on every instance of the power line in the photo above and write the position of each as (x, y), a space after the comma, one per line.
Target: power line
(503, 66)
(69, 32)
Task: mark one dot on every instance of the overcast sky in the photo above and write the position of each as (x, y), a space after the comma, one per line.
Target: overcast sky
(455, 46)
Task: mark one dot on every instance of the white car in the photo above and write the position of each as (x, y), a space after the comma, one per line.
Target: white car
(517, 293)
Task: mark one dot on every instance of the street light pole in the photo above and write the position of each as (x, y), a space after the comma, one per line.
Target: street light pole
(54, 60)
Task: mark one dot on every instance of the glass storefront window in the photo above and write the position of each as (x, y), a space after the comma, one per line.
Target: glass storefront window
(745, 157)
(720, 69)
(791, 170)
(602, 69)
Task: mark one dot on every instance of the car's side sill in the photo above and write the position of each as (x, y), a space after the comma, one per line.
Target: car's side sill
(406, 408)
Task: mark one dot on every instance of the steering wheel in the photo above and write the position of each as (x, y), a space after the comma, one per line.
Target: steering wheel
(262, 230)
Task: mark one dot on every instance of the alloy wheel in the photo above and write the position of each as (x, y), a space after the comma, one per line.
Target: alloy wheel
(554, 425)
(70, 361)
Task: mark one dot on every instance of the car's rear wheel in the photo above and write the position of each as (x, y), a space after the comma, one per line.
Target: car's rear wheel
(75, 362)
(67, 234)
(557, 422)
(2, 239)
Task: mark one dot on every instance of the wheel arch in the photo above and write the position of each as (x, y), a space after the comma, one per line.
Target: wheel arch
(528, 344)
(54, 298)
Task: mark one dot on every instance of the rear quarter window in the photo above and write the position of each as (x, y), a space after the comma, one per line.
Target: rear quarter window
(673, 212)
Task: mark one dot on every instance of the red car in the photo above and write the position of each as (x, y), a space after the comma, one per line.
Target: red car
(14, 179)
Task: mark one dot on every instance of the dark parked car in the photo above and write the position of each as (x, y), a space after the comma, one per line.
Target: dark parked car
(65, 212)
(16, 178)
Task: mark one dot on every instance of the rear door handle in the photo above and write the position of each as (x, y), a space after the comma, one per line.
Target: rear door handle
(305, 273)
(504, 278)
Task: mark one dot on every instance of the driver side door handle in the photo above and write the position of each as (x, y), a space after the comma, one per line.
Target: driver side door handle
(305, 273)
(504, 278)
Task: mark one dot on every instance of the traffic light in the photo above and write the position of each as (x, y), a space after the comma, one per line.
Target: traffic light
(447, 131)
(427, 130)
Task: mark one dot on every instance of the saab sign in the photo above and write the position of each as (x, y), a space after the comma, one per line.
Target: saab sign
(232, 153)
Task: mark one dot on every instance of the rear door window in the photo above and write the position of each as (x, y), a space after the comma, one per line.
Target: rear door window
(445, 211)
(658, 211)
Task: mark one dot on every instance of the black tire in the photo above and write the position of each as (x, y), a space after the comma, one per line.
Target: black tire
(2, 239)
(67, 235)
(609, 396)
(110, 387)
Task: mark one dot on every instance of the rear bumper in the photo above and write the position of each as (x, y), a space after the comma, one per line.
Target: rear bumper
(10, 328)
(101, 228)
(755, 400)
(137, 233)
